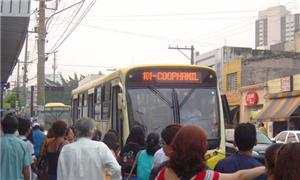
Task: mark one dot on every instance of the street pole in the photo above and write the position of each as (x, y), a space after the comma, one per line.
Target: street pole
(41, 57)
(186, 48)
(1, 99)
(18, 80)
(25, 70)
(31, 101)
(192, 55)
(54, 65)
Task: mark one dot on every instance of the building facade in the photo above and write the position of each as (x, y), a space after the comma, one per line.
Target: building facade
(244, 80)
(281, 110)
(276, 26)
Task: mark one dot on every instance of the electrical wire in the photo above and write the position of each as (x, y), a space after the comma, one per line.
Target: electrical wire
(61, 36)
(75, 26)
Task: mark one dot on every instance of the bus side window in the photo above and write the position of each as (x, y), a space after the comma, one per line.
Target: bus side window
(98, 103)
(106, 101)
(91, 106)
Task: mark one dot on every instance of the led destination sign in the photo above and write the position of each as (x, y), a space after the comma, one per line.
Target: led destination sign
(171, 76)
(164, 76)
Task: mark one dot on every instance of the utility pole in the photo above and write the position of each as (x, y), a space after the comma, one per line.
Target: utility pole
(41, 56)
(31, 101)
(25, 70)
(18, 80)
(186, 48)
(54, 65)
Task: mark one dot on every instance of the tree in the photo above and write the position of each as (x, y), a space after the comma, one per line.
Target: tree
(11, 99)
(61, 91)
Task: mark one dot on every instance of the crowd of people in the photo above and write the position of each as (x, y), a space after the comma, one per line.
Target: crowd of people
(178, 153)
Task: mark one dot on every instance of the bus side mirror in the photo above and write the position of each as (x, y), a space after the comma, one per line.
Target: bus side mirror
(120, 101)
(226, 110)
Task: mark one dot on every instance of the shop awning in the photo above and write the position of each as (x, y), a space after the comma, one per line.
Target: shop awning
(278, 109)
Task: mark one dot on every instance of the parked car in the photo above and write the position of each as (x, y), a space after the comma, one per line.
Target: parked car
(287, 137)
(263, 142)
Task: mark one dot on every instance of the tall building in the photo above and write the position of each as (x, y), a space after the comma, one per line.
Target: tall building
(276, 25)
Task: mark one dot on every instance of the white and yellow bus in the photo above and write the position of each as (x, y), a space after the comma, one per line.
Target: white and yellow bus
(155, 96)
(57, 111)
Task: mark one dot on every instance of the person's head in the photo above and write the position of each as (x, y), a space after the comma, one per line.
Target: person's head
(9, 124)
(187, 150)
(59, 128)
(136, 135)
(287, 166)
(36, 126)
(111, 140)
(50, 133)
(152, 143)
(85, 127)
(70, 136)
(245, 136)
(167, 135)
(23, 126)
(270, 155)
(261, 124)
(114, 131)
(97, 135)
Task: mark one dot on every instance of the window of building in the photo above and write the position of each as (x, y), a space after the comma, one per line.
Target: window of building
(231, 81)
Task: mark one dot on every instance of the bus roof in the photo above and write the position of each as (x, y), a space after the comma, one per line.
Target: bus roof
(56, 104)
(123, 71)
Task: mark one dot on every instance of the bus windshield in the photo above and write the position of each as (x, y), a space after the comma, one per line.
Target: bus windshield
(155, 108)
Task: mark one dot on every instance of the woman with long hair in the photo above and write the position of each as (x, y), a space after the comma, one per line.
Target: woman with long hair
(52, 147)
(134, 143)
(287, 162)
(187, 159)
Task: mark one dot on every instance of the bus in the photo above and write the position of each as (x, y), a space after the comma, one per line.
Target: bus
(154, 96)
(57, 111)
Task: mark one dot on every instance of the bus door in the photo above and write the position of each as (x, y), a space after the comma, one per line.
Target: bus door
(116, 116)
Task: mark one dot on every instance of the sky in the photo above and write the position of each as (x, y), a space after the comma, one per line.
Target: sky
(120, 33)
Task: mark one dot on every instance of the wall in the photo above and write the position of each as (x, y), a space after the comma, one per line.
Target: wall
(261, 69)
(297, 41)
(233, 66)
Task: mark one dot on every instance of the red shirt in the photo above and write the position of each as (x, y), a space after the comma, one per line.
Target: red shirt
(203, 175)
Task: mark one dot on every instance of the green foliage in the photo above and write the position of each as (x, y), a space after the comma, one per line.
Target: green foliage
(11, 99)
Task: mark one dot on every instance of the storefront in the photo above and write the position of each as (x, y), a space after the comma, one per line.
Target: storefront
(282, 109)
(252, 101)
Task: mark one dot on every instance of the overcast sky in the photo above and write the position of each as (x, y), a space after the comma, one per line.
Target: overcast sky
(119, 33)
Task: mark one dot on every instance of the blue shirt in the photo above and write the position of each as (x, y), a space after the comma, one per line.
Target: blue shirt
(15, 156)
(144, 165)
(38, 138)
(238, 162)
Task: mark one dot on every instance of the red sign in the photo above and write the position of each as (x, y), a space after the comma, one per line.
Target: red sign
(251, 98)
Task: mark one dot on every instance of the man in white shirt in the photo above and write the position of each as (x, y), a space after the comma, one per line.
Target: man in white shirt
(85, 158)
(167, 135)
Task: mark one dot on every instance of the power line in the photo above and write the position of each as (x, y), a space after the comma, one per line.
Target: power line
(75, 26)
(61, 36)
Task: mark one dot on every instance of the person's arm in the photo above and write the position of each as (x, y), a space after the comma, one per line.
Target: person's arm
(246, 174)
(26, 173)
(110, 162)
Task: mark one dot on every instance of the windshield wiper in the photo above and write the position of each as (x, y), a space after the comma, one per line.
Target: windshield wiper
(161, 96)
(176, 112)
